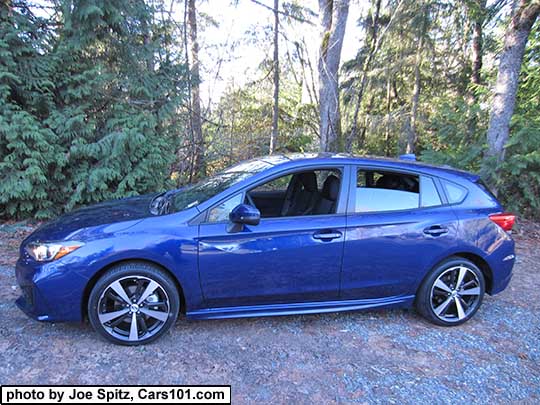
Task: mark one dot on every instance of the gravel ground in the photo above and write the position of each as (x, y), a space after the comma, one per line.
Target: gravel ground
(365, 357)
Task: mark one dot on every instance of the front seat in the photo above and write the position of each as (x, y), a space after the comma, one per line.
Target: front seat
(329, 196)
(302, 195)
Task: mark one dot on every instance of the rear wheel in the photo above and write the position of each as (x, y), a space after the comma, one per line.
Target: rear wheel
(133, 303)
(452, 293)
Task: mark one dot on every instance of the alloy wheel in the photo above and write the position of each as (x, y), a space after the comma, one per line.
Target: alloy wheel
(455, 294)
(133, 308)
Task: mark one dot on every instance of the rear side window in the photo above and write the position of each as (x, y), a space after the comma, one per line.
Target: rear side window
(393, 191)
(429, 197)
(454, 193)
(386, 191)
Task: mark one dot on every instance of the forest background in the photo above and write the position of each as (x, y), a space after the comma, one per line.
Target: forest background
(103, 99)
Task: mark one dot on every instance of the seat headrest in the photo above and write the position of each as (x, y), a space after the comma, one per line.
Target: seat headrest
(309, 181)
(389, 181)
(330, 189)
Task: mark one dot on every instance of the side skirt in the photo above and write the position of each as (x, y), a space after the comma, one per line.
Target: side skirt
(300, 308)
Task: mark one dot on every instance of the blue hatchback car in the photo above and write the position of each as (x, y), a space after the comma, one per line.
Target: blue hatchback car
(274, 236)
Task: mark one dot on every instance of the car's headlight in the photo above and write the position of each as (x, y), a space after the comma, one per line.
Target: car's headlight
(44, 252)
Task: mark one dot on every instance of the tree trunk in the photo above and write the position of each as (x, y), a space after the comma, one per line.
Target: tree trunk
(333, 14)
(196, 122)
(364, 77)
(410, 145)
(477, 39)
(504, 94)
(275, 112)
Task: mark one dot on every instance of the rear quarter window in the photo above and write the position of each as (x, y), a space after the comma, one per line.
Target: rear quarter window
(454, 192)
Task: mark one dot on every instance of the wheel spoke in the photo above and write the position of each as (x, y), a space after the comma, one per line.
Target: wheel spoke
(470, 291)
(133, 330)
(441, 309)
(459, 307)
(118, 289)
(461, 276)
(442, 285)
(160, 304)
(142, 324)
(161, 316)
(109, 316)
(152, 285)
(139, 289)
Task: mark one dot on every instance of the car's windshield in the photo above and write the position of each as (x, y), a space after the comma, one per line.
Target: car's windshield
(207, 188)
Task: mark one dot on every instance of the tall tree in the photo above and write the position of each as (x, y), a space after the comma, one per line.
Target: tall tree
(504, 93)
(275, 109)
(195, 121)
(333, 20)
(373, 45)
(477, 9)
(415, 99)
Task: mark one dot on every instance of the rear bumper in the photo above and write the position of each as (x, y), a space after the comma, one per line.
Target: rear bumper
(501, 262)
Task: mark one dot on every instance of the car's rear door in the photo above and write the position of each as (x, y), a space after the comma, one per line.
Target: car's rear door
(391, 240)
(280, 260)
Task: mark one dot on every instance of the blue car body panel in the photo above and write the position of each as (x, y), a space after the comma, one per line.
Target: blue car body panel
(278, 266)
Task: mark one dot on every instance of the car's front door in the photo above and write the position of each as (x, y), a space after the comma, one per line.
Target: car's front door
(290, 259)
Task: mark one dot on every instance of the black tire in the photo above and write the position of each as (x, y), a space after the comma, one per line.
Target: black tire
(135, 280)
(452, 304)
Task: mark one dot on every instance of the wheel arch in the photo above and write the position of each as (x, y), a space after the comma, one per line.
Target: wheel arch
(98, 274)
(478, 260)
(482, 265)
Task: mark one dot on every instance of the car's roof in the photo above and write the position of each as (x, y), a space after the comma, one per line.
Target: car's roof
(296, 159)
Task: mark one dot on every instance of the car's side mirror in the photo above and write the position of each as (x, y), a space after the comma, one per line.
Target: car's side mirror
(243, 214)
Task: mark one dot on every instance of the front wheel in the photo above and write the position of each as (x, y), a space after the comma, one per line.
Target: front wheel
(133, 303)
(452, 293)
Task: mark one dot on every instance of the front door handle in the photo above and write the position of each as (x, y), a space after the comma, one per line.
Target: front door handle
(436, 230)
(327, 235)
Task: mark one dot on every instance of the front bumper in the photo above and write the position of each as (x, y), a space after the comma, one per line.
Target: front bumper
(50, 291)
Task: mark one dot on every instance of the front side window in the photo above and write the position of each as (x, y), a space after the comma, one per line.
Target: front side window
(308, 192)
(221, 211)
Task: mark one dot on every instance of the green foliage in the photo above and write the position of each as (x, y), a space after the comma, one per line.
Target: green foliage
(520, 175)
(456, 135)
(454, 141)
(242, 121)
(88, 112)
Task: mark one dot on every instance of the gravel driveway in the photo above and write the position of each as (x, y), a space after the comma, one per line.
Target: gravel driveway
(365, 357)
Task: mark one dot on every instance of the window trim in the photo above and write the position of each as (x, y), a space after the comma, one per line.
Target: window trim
(341, 209)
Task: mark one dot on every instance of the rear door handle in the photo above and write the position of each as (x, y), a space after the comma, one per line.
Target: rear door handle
(327, 235)
(436, 230)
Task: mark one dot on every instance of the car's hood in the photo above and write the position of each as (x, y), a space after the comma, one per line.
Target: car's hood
(111, 212)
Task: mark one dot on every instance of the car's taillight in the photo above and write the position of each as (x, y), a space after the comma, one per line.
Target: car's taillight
(504, 220)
